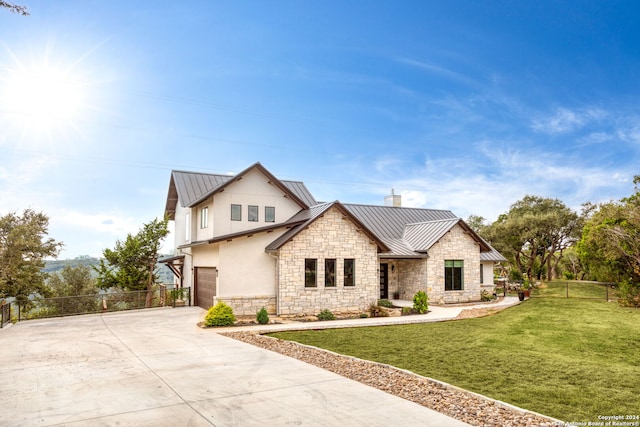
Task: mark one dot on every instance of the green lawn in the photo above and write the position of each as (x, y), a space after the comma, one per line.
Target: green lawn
(571, 359)
(577, 289)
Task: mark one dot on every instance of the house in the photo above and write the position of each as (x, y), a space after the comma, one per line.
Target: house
(253, 241)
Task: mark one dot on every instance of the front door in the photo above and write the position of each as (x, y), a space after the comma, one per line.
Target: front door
(384, 281)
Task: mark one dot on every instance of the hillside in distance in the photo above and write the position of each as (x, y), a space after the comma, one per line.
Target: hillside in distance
(52, 266)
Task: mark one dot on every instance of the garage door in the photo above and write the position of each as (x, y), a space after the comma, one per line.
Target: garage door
(205, 286)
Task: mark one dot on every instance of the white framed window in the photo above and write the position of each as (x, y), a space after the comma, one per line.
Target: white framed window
(252, 213)
(236, 212)
(269, 214)
(204, 217)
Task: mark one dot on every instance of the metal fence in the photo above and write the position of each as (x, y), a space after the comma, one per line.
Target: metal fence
(6, 314)
(40, 308)
(577, 289)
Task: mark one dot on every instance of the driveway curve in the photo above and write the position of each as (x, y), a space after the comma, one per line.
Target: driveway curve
(157, 368)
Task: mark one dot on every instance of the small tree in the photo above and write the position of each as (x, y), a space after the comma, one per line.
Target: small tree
(74, 281)
(262, 316)
(421, 302)
(23, 247)
(131, 264)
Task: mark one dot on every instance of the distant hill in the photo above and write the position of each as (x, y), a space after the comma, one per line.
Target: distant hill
(164, 274)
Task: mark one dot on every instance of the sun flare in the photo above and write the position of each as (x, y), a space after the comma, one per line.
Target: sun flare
(40, 98)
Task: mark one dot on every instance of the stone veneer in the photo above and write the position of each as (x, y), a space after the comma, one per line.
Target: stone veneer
(412, 277)
(454, 245)
(332, 235)
(249, 305)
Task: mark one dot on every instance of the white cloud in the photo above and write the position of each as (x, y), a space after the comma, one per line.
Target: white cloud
(565, 120)
(114, 223)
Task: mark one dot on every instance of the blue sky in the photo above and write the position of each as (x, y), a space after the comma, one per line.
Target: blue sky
(460, 105)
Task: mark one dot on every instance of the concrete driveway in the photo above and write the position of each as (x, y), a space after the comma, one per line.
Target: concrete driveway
(157, 368)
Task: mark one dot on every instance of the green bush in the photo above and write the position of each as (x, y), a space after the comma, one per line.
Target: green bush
(376, 311)
(486, 296)
(262, 316)
(385, 303)
(363, 315)
(421, 302)
(406, 310)
(326, 315)
(220, 315)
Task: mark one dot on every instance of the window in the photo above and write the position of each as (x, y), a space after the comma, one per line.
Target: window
(187, 227)
(330, 273)
(453, 275)
(236, 212)
(310, 273)
(252, 214)
(481, 274)
(349, 268)
(269, 214)
(204, 217)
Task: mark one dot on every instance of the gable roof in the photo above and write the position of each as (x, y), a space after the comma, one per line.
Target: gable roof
(422, 236)
(191, 188)
(308, 216)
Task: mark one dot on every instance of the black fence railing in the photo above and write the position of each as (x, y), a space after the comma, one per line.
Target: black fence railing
(6, 314)
(40, 308)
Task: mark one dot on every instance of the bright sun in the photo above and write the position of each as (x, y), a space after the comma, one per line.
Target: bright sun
(40, 98)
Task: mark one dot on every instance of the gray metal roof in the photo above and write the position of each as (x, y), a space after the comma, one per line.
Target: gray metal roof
(388, 222)
(420, 237)
(191, 188)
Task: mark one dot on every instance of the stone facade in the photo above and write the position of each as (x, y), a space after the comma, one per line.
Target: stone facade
(331, 236)
(454, 245)
(249, 305)
(412, 277)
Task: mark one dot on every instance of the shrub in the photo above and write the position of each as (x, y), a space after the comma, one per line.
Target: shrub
(421, 302)
(363, 315)
(486, 296)
(406, 311)
(262, 316)
(220, 315)
(376, 311)
(385, 303)
(326, 315)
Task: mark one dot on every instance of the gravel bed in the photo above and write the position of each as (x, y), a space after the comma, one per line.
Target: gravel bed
(452, 401)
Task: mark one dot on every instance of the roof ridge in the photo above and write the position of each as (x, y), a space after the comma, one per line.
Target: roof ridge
(395, 207)
(432, 221)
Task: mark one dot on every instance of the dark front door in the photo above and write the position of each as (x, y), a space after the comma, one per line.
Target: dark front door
(384, 281)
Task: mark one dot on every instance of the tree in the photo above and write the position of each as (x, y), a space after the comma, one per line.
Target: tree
(13, 8)
(23, 247)
(477, 223)
(534, 233)
(74, 282)
(610, 245)
(131, 264)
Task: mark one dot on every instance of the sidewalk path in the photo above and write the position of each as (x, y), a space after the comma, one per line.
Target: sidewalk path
(435, 314)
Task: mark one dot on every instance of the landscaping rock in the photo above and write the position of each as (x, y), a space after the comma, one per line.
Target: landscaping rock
(452, 401)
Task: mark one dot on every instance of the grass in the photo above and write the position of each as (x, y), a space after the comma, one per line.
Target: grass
(571, 359)
(577, 289)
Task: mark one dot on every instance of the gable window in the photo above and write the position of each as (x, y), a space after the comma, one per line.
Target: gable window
(204, 217)
(252, 214)
(453, 275)
(310, 272)
(329, 273)
(236, 212)
(269, 214)
(349, 268)
(187, 227)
